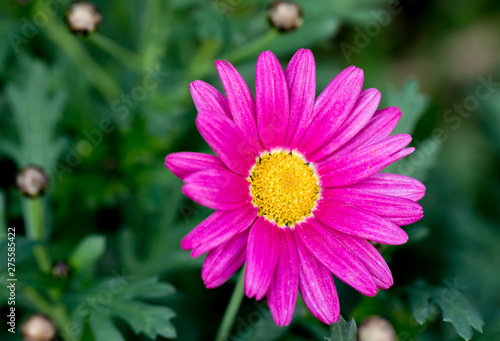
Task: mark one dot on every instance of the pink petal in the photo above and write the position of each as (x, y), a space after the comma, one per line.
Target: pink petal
(218, 189)
(369, 256)
(363, 110)
(271, 98)
(262, 257)
(361, 164)
(218, 228)
(208, 98)
(228, 142)
(336, 257)
(223, 261)
(354, 221)
(301, 79)
(282, 292)
(378, 128)
(240, 102)
(331, 109)
(392, 184)
(392, 208)
(316, 285)
(184, 163)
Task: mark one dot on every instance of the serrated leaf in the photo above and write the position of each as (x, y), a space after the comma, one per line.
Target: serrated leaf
(104, 329)
(125, 290)
(455, 308)
(87, 252)
(36, 112)
(147, 288)
(419, 305)
(411, 102)
(343, 330)
(462, 315)
(145, 318)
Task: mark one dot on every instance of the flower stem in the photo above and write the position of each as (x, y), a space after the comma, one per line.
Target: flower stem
(97, 75)
(121, 54)
(232, 308)
(57, 312)
(35, 228)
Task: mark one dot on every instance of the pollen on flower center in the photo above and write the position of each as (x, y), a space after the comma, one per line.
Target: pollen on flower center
(283, 187)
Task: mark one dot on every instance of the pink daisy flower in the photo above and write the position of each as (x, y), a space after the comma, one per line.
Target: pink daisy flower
(296, 185)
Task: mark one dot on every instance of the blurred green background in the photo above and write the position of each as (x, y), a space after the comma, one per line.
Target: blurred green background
(100, 112)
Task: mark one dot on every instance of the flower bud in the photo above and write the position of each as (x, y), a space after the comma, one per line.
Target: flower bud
(32, 181)
(60, 270)
(38, 328)
(284, 15)
(376, 328)
(83, 17)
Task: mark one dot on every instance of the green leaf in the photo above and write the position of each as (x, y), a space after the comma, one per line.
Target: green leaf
(411, 102)
(146, 288)
(104, 329)
(455, 308)
(36, 111)
(419, 305)
(124, 292)
(342, 330)
(145, 318)
(87, 252)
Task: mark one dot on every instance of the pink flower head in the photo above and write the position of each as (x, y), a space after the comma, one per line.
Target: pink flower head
(296, 185)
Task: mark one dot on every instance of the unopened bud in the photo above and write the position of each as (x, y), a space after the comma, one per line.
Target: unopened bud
(38, 328)
(83, 17)
(376, 328)
(284, 15)
(32, 181)
(60, 270)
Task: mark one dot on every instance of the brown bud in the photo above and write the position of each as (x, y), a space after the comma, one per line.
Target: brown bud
(83, 17)
(376, 328)
(284, 15)
(32, 181)
(38, 328)
(60, 270)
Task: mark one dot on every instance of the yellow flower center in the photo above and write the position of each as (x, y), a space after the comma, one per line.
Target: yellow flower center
(283, 187)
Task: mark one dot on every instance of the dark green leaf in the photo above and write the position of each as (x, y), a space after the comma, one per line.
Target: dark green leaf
(456, 309)
(104, 329)
(87, 252)
(145, 318)
(342, 330)
(419, 305)
(146, 288)
(36, 113)
(411, 102)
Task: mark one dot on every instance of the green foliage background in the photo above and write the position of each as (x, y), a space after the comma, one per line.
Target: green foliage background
(100, 113)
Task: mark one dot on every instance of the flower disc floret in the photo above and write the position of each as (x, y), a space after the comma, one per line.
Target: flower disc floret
(283, 187)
